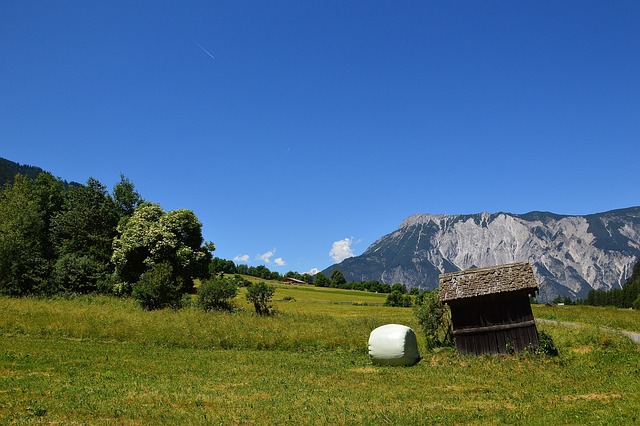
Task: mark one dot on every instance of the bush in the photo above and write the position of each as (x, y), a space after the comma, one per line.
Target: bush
(260, 294)
(241, 281)
(545, 345)
(398, 299)
(157, 288)
(217, 293)
(77, 274)
(434, 319)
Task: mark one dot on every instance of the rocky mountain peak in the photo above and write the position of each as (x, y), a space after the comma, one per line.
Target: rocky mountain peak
(570, 254)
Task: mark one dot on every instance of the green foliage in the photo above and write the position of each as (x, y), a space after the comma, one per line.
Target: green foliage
(151, 237)
(24, 267)
(217, 293)
(241, 281)
(399, 287)
(125, 197)
(546, 346)
(414, 291)
(86, 223)
(636, 303)
(398, 299)
(321, 280)
(434, 319)
(219, 265)
(75, 273)
(158, 288)
(337, 278)
(261, 294)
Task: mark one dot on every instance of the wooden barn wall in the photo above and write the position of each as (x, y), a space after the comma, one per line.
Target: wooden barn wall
(485, 324)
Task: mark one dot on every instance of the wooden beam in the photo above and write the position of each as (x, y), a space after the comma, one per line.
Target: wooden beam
(490, 328)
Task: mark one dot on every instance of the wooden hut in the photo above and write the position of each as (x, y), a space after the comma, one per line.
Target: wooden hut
(294, 281)
(490, 308)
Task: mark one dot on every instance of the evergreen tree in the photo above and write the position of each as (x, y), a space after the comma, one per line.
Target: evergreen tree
(24, 268)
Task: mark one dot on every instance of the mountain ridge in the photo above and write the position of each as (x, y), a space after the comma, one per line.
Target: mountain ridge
(571, 254)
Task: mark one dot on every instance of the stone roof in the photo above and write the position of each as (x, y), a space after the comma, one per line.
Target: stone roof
(485, 281)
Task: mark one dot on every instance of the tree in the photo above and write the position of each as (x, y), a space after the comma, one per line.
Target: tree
(321, 280)
(260, 294)
(86, 224)
(399, 287)
(151, 237)
(337, 278)
(126, 198)
(222, 265)
(82, 232)
(24, 268)
(434, 319)
(398, 299)
(157, 288)
(217, 293)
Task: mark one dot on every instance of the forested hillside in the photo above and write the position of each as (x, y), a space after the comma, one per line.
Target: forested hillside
(8, 169)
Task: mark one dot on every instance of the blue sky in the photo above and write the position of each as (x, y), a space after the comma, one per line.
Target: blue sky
(296, 129)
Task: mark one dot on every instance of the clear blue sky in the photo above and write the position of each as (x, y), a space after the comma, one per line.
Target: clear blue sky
(288, 126)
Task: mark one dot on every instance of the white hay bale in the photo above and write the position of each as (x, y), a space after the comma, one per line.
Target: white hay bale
(393, 344)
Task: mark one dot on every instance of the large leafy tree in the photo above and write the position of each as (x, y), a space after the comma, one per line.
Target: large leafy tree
(23, 240)
(152, 236)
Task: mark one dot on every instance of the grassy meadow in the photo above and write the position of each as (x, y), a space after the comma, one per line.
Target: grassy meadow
(103, 360)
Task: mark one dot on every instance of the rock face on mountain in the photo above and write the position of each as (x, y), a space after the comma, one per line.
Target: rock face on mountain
(570, 254)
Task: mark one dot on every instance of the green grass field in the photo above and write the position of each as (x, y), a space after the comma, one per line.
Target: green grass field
(102, 360)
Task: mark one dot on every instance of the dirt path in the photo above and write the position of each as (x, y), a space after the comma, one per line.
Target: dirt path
(630, 334)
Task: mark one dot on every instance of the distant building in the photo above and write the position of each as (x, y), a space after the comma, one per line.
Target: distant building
(490, 308)
(289, 280)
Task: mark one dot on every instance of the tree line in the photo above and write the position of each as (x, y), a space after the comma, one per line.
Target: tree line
(626, 297)
(56, 238)
(337, 279)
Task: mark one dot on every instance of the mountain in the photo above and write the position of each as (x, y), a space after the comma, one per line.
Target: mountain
(570, 254)
(8, 170)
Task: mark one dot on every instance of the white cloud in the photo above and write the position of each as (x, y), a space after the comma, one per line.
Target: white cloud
(313, 271)
(266, 257)
(280, 261)
(243, 258)
(341, 250)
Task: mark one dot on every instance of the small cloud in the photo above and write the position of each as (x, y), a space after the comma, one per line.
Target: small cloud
(266, 257)
(242, 258)
(280, 261)
(341, 250)
(313, 271)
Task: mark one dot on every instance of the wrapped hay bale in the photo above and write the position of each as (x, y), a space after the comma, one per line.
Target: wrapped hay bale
(393, 344)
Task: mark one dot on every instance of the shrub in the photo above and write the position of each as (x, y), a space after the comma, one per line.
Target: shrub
(545, 345)
(217, 293)
(398, 299)
(241, 281)
(434, 319)
(77, 274)
(260, 294)
(157, 288)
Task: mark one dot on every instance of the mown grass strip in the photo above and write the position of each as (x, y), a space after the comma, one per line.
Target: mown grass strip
(51, 380)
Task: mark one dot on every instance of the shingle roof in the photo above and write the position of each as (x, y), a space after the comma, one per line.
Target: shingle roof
(485, 281)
